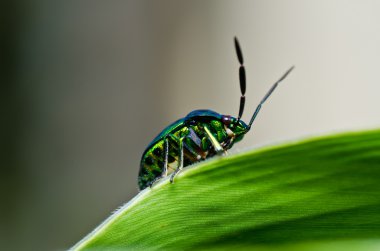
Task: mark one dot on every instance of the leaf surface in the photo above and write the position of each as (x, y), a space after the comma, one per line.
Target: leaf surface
(319, 194)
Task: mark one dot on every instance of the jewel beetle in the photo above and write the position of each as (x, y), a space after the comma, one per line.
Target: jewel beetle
(200, 135)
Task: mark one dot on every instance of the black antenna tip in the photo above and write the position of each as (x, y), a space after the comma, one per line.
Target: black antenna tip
(238, 51)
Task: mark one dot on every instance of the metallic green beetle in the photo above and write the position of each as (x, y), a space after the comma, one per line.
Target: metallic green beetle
(196, 137)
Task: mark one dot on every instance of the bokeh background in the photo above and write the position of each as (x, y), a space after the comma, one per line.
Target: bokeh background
(85, 86)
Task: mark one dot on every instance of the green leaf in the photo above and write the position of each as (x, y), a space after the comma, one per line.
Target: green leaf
(319, 194)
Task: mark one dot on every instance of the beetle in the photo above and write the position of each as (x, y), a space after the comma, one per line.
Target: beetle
(200, 135)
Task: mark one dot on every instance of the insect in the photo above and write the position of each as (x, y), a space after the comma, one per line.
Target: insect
(198, 136)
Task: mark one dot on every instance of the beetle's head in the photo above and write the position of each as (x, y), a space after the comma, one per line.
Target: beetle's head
(235, 128)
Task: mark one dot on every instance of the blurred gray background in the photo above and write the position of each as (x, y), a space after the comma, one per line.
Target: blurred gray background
(86, 85)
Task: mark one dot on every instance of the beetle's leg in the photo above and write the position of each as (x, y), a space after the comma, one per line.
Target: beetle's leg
(192, 143)
(218, 148)
(180, 161)
(165, 167)
(166, 145)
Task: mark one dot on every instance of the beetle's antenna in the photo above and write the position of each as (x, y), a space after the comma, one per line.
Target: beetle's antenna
(241, 78)
(267, 96)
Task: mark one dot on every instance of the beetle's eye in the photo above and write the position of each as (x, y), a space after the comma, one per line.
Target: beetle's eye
(226, 120)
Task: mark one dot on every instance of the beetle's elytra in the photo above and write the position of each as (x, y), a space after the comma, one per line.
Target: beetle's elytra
(196, 137)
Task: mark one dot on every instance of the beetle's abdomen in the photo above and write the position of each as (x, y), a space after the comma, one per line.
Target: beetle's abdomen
(196, 147)
(153, 160)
